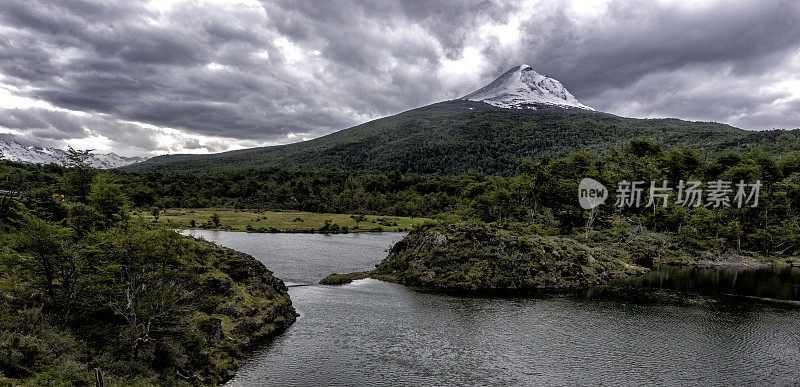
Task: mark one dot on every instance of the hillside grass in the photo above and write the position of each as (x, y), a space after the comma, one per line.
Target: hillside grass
(280, 221)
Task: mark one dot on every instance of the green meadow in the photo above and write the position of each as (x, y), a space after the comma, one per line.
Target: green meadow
(279, 221)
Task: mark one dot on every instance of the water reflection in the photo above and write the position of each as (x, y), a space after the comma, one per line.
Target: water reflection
(778, 282)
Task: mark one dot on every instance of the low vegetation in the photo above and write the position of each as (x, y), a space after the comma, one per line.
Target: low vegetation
(88, 295)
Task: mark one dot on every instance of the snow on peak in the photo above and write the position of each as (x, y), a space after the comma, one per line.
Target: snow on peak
(14, 151)
(524, 88)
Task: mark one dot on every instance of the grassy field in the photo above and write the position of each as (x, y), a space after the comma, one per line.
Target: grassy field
(279, 221)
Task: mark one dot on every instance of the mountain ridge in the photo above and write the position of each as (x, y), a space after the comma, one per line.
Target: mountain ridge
(470, 137)
(14, 151)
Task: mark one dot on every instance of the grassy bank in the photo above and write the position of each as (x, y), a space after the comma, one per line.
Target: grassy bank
(279, 221)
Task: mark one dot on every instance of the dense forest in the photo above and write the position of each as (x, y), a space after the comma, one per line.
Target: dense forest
(467, 137)
(542, 197)
(89, 295)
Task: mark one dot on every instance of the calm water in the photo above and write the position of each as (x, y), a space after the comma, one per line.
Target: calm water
(677, 326)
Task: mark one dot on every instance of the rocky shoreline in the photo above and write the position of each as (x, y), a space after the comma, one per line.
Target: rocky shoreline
(241, 305)
(735, 261)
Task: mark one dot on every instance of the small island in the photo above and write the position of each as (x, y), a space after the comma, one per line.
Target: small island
(472, 256)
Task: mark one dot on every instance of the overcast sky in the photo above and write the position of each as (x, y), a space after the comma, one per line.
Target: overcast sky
(147, 78)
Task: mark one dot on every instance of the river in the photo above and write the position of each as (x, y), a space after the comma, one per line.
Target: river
(675, 326)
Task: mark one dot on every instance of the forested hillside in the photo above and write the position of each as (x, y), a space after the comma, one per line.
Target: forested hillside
(467, 137)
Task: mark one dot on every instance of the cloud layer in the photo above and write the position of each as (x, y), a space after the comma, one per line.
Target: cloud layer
(198, 76)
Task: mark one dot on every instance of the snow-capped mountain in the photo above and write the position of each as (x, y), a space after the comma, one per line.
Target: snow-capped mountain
(524, 88)
(15, 151)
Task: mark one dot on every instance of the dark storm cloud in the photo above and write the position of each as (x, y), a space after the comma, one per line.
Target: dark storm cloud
(43, 127)
(635, 39)
(386, 54)
(135, 66)
(259, 72)
(42, 123)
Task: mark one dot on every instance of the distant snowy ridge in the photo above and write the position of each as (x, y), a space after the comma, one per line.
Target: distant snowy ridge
(524, 88)
(15, 151)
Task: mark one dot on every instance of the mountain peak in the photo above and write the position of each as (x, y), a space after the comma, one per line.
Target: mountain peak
(523, 88)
